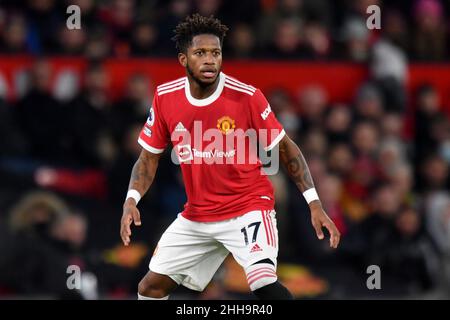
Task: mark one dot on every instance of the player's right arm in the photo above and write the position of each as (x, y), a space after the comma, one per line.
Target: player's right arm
(142, 176)
(153, 139)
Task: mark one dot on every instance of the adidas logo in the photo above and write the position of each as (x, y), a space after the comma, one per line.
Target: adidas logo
(180, 127)
(255, 248)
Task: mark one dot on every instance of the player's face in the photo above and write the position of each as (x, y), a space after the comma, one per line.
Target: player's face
(203, 59)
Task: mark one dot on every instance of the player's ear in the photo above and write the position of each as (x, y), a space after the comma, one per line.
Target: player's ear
(182, 59)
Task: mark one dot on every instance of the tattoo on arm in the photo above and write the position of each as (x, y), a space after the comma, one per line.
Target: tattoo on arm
(143, 173)
(296, 165)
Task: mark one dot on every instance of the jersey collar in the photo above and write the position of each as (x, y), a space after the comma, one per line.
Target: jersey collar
(204, 102)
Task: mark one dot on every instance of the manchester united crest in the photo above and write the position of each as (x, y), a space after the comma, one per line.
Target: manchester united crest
(225, 124)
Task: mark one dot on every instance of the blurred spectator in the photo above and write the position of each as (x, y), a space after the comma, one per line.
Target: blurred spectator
(393, 239)
(15, 143)
(313, 101)
(43, 20)
(358, 8)
(317, 10)
(365, 139)
(133, 107)
(434, 174)
(35, 252)
(391, 154)
(428, 114)
(389, 58)
(414, 259)
(338, 121)
(313, 29)
(118, 16)
(37, 107)
(70, 231)
(389, 62)
(177, 10)
(437, 214)
(144, 40)
(207, 7)
(66, 84)
(392, 126)
(286, 42)
(402, 180)
(231, 14)
(2, 18)
(440, 134)
(369, 103)
(90, 120)
(317, 42)
(372, 236)
(340, 160)
(14, 36)
(429, 42)
(242, 42)
(36, 212)
(284, 10)
(365, 173)
(438, 220)
(355, 40)
(71, 42)
(98, 44)
(315, 143)
(384, 201)
(283, 106)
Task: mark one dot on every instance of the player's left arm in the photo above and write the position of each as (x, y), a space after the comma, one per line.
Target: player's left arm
(297, 168)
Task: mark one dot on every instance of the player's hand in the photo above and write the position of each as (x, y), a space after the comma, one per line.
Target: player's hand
(130, 214)
(320, 219)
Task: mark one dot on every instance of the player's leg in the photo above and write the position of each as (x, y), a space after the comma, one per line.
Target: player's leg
(253, 241)
(155, 286)
(268, 288)
(273, 291)
(186, 255)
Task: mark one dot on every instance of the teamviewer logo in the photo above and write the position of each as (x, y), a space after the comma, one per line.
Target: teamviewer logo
(184, 152)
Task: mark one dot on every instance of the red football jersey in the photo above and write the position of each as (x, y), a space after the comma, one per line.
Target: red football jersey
(214, 140)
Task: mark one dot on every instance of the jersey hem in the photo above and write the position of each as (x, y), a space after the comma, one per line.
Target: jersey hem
(226, 216)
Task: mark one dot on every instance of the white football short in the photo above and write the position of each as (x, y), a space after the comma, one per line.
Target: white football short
(190, 252)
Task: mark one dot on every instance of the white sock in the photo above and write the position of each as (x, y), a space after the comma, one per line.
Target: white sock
(140, 297)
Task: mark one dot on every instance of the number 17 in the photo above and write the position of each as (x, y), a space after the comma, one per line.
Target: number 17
(255, 231)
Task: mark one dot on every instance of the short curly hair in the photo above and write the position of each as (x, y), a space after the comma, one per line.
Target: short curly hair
(195, 25)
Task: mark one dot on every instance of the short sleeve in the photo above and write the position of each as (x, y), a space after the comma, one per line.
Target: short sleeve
(269, 130)
(154, 134)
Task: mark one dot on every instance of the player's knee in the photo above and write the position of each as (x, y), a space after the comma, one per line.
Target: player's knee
(151, 290)
(260, 275)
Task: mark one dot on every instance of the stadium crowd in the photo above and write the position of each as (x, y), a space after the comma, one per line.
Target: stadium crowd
(65, 163)
(284, 29)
